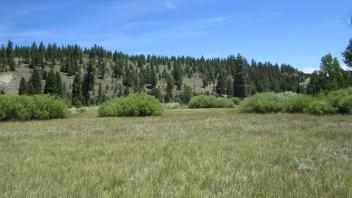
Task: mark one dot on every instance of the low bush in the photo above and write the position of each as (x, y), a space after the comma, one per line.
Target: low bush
(320, 107)
(264, 103)
(236, 100)
(299, 103)
(345, 105)
(139, 104)
(204, 101)
(341, 100)
(40, 107)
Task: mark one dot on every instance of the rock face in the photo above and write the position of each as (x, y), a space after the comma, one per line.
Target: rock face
(6, 78)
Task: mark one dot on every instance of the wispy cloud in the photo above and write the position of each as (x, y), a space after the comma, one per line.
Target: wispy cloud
(170, 5)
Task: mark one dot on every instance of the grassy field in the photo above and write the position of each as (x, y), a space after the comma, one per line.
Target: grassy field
(184, 153)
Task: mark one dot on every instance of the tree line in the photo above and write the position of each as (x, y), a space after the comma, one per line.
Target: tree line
(233, 76)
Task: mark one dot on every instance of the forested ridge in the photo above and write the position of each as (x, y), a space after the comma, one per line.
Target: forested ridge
(97, 74)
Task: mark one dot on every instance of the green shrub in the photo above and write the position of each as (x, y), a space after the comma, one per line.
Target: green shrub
(204, 101)
(41, 107)
(139, 104)
(264, 103)
(320, 107)
(340, 99)
(345, 105)
(299, 103)
(236, 100)
(173, 105)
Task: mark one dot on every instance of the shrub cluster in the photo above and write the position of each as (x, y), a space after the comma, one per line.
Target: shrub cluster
(338, 101)
(264, 103)
(236, 100)
(138, 104)
(204, 101)
(39, 107)
(341, 100)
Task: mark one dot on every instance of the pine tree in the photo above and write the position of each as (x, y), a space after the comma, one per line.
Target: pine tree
(186, 95)
(178, 76)
(100, 97)
(88, 84)
(76, 91)
(221, 85)
(50, 83)
(58, 85)
(23, 87)
(169, 88)
(156, 93)
(347, 54)
(229, 88)
(35, 84)
(241, 81)
(153, 79)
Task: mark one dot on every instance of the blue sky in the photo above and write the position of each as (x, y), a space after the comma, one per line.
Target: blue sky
(296, 32)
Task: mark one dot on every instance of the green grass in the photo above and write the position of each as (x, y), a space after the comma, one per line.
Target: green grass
(183, 153)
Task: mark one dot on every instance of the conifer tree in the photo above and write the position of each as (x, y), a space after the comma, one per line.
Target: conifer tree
(88, 84)
(156, 93)
(169, 88)
(241, 81)
(50, 83)
(58, 85)
(186, 95)
(35, 84)
(76, 91)
(23, 87)
(347, 54)
(178, 76)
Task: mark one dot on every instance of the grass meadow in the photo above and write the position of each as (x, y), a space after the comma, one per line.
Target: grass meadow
(183, 153)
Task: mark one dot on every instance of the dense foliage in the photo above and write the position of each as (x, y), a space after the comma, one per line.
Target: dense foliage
(138, 104)
(41, 107)
(204, 101)
(339, 101)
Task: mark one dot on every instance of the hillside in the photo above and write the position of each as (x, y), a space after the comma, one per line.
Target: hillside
(116, 73)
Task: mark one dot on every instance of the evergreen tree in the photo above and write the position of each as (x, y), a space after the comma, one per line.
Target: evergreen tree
(23, 87)
(347, 54)
(178, 76)
(35, 84)
(58, 85)
(88, 84)
(229, 88)
(169, 88)
(240, 82)
(186, 95)
(50, 83)
(156, 93)
(76, 91)
(101, 96)
(221, 84)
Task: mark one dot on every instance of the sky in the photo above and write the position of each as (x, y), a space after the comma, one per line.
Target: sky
(296, 32)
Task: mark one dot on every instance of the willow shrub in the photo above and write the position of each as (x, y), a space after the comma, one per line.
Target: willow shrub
(204, 101)
(138, 104)
(264, 103)
(39, 107)
(341, 100)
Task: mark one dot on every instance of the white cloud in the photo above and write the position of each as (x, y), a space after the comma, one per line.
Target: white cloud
(309, 70)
